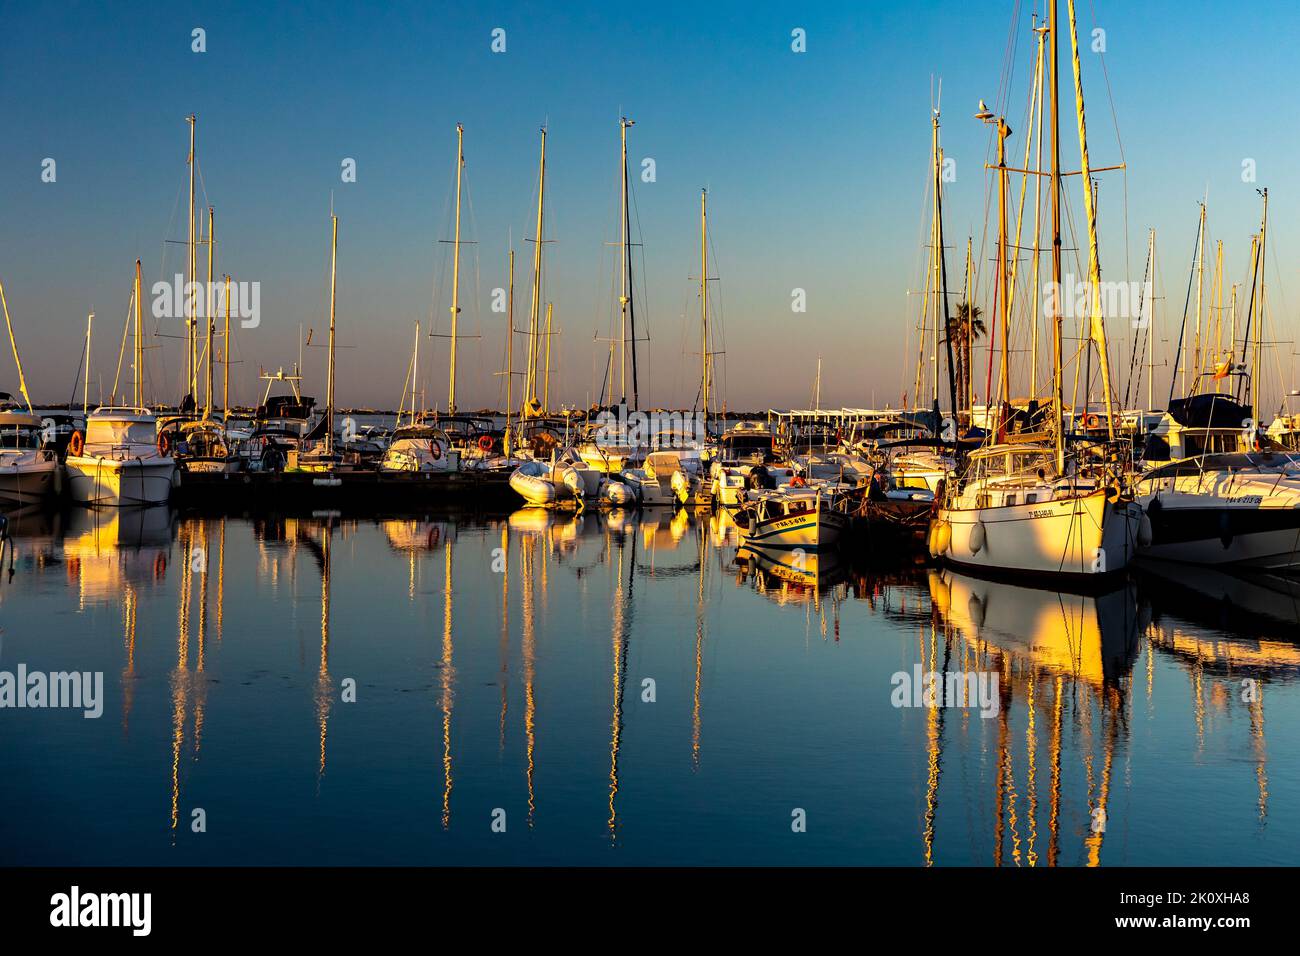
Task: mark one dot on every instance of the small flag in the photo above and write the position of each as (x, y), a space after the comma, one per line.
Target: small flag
(1221, 370)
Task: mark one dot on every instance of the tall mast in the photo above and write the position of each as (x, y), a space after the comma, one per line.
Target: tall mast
(628, 311)
(1041, 30)
(191, 329)
(1255, 312)
(329, 378)
(1058, 385)
(1097, 323)
(1003, 293)
(225, 362)
(138, 358)
(1151, 322)
(704, 301)
(455, 270)
(942, 277)
(937, 157)
(207, 313)
(85, 388)
(530, 381)
(22, 379)
(1216, 299)
(1200, 285)
(1004, 288)
(510, 349)
(415, 369)
(969, 346)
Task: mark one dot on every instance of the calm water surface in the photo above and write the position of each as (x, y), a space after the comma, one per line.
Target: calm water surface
(620, 690)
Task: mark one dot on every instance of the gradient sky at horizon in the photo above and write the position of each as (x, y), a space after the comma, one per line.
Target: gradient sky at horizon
(816, 164)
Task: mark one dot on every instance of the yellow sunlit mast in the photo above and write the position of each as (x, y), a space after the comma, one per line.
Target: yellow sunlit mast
(455, 270)
(532, 406)
(139, 347)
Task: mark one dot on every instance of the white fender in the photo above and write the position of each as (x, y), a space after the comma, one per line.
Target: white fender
(1145, 534)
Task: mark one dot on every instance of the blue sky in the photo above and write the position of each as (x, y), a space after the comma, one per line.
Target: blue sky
(816, 164)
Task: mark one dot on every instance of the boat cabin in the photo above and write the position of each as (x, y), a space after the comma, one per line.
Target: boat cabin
(121, 432)
(1213, 424)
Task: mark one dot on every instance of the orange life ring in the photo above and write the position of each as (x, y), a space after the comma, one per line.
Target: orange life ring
(435, 450)
(1092, 421)
(797, 482)
(164, 444)
(485, 442)
(77, 444)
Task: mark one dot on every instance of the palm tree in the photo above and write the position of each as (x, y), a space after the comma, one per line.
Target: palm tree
(964, 327)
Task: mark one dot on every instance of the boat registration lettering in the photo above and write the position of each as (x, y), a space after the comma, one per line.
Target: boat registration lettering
(1247, 500)
(1041, 513)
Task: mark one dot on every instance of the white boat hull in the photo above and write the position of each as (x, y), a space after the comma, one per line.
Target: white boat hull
(1224, 518)
(28, 483)
(620, 494)
(113, 482)
(534, 489)
(1262, 538)
(1082, 535)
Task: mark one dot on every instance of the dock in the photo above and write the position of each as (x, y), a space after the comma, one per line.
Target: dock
(346, 490)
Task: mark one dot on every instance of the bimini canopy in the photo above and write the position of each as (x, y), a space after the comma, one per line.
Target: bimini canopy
(1210, 411)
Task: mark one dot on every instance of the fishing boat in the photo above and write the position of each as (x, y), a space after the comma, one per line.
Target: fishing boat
(807, 517)
(121, 460)
(1026, 504)
(29, 470)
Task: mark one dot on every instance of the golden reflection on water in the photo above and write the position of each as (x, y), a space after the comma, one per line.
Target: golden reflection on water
(1066, 662)
(448, 681)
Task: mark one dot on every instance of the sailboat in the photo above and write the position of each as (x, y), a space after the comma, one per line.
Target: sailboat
(29, 470)
(1216, 489)
(202, 445)
(121, 459)
(693, 486)
(318, 454)
(1025, 504)
(598, 448)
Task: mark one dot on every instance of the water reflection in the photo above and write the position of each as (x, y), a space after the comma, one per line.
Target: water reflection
(1115, 713)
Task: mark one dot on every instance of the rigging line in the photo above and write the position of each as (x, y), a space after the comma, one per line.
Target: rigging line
(1173, 379)
(1119, 140)
(1136, 338)
(1277, 286)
